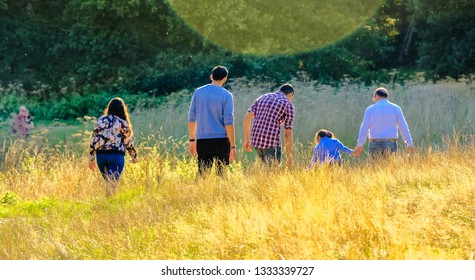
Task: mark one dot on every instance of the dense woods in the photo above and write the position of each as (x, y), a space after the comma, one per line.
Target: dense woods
(57, 48)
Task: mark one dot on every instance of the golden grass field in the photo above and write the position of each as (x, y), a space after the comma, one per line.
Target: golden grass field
(409, 207)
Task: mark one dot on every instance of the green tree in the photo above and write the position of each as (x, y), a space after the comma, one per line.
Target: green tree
(93, 43)
(28, 33)
(446, 37)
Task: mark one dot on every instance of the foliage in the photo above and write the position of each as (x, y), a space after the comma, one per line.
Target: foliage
(8, 198)
(446, 36)
(332, 63)
(97, 43)
(61, 48)
(68, 107)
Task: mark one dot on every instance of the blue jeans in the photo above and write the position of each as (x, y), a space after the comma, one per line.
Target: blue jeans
(384, 148)
(110, 165)
(269, 155)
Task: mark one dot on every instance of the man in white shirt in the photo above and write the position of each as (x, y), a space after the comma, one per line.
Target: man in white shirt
(381, 124)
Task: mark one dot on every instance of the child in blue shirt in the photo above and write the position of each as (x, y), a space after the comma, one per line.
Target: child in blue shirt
(327, 149)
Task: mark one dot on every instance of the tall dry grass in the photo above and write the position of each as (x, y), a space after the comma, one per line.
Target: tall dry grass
(418, 207)
(409, 207)
(432, 110)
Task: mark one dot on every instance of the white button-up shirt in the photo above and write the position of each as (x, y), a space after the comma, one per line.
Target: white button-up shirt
(382, 120)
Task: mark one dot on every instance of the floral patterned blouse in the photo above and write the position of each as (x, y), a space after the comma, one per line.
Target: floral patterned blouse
(111, 133)
(21, 125)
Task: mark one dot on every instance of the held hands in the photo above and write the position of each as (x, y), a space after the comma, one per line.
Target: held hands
(357, 151)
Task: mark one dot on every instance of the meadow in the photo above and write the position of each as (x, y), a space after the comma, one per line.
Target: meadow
(417, 206)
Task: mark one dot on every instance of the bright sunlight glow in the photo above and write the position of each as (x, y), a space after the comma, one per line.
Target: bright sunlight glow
(269, 27)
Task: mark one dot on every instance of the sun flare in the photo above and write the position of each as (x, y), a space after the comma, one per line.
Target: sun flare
(268, 27)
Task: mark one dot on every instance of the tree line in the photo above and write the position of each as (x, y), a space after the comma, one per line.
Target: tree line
(84, 46)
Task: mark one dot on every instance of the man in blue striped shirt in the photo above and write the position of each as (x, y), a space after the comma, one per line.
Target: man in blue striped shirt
(381, 124)
(211, 123)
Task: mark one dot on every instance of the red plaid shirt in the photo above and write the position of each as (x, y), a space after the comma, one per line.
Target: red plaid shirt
(271, 110)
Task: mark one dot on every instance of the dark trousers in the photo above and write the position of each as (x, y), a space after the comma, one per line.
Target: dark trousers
(270, 155)
(213, 150)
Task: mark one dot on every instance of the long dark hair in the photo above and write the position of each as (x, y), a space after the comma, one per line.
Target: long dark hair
(118, 108)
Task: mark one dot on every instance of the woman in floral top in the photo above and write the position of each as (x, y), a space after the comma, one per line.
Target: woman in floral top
(111, 138)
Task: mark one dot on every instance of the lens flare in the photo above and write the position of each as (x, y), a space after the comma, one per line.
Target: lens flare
(268, 27)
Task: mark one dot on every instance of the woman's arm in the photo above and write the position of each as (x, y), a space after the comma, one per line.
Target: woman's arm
(128, 141)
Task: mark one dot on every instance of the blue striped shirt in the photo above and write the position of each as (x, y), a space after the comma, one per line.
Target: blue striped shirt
(382, 120)
(212, 109)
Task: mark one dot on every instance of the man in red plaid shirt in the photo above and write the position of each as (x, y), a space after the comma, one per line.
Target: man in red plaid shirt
(270, 111)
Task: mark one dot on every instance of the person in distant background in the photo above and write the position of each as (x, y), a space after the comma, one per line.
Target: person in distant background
(381, 123)
(22, 123)
(327, 149)
(111, 138)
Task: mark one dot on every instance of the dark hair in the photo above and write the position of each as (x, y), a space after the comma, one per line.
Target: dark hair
(325, 133)
(381, 92)
(219, 72)
(118, 108)
(287, 89)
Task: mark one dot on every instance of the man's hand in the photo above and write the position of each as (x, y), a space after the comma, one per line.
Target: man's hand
(135, 160)
(192, 148)
(410, 150)
(232, 154)
(247, 131)
(247, 145)
(357, 151)
(289, 161)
